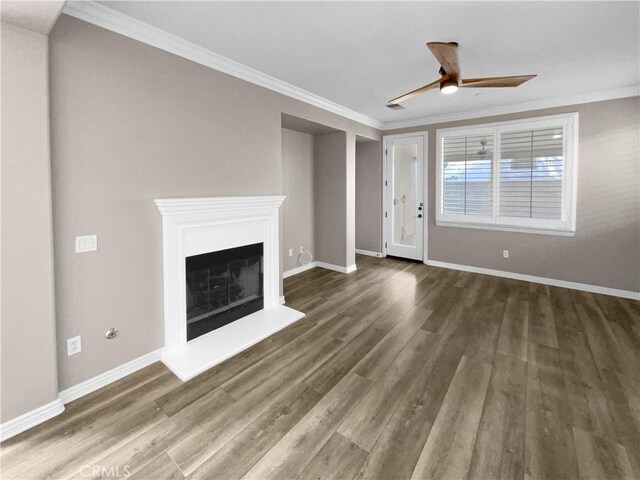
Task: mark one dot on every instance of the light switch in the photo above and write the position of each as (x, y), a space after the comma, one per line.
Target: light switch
(86, 243)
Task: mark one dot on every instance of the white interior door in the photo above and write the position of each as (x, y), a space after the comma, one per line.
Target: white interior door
(405, 208)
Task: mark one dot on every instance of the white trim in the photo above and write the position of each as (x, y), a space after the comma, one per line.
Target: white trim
(122, 24)
(506, 228)
(192, 226)
(425, 189)
(282, 301)
(300, 269)
(384, 198)
(534, 279)
(30, 419)
(565, 226)
(50, 410)
(368, 253)
(337, 268)
(599, 96)
(181, 206)
(110, 376)
(199, 225)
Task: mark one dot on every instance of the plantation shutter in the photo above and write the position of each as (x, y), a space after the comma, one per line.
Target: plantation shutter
(467, 175)
(531, 173)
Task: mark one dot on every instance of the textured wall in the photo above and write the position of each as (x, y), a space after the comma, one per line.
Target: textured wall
(29, 378)
(606, 248)
(369, 196)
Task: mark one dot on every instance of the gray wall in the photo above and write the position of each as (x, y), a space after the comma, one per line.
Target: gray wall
(29, 378)
(369, 196)
(329, 177)
(350, 185)
(297, 210)
(606, 248)
(131, 123)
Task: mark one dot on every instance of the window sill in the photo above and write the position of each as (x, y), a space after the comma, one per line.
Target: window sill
(507, 228)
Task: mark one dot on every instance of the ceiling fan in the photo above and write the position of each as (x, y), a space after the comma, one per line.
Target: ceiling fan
(451, 79)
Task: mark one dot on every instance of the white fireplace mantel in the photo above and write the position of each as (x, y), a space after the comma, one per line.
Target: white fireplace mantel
(192, 226)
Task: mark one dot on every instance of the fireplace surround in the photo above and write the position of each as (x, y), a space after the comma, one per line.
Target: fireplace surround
(221, 269)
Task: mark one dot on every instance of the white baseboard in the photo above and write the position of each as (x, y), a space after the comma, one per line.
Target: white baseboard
(300, 269)
(328, 266)
(108, 377)
(533, 279)
(30, 419)
(282, 302)
(337, 268)
(369, 253)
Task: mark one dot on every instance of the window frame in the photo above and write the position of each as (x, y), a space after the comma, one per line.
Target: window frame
(566, 226)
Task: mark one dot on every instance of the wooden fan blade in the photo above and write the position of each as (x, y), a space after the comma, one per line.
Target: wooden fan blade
(447, 56)
(417, 91)
(496, 82)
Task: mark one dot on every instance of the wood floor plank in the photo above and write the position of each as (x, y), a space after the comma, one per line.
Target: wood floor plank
(397, 450)
(435, 372)
(65, 463)
(311, 433)
(513, 333)
(599, 459)
(190, 391)
(249, 379)
(449, 447)
(161, 468)
(194, 450)
(365, 423)
(499, 447)
(486, 323)
(541, 321)
(549, 446)
(77, 428)
(238, 455)
(334, 369)
(338, 459)
(139, 452)
(381, 356)
(389, 310)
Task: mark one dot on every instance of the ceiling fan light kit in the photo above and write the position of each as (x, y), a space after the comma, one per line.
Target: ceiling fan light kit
(451, 78)
(448, 86)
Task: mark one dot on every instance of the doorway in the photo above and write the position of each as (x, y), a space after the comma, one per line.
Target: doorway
(404, 195)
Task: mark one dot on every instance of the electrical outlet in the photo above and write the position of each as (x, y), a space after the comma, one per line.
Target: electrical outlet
(301, 249)
(74, 345)
(291, 252)
(505, 253)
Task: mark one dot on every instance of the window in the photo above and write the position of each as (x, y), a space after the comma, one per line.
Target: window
(516, 176)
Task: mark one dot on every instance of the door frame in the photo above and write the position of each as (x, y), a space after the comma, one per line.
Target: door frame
(425, 188)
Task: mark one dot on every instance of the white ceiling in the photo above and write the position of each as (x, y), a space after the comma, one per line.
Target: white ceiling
(361, 54)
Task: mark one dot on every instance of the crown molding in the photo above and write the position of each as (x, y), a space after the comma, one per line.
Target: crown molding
(516, 108)
(181, 206)
(117, 22)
